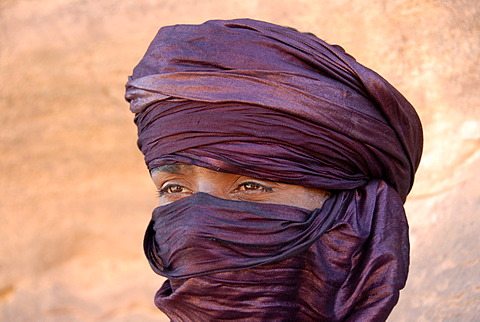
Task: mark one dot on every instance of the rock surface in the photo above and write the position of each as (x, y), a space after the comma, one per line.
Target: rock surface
(76, 196)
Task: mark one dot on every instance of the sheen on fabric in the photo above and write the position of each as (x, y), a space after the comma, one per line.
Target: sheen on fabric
(235, 260)
(371, 128)
(269, 102)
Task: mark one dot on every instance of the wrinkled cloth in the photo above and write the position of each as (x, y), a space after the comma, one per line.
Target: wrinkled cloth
(261, 100)
(203, 234)
(364, 128)
(262, 262)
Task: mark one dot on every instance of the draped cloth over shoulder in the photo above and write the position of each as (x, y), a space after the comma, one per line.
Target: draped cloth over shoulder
(265, 101)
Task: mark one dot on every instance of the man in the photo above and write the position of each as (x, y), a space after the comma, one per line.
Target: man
(282, 166)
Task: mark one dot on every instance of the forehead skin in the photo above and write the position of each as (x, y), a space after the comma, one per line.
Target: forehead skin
(179, 181)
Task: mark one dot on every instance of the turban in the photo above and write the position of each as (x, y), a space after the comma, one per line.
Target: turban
(261, 100)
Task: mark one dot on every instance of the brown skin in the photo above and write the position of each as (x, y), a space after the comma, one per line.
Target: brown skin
(175, 182)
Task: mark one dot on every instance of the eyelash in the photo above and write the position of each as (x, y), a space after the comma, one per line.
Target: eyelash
(164, 191)
(259, 185)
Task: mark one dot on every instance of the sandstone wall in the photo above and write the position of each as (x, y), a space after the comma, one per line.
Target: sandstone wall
(76, 197)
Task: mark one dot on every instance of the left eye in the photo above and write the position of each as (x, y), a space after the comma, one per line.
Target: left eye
(253, 186)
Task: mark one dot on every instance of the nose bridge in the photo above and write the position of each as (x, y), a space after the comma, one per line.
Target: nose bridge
(212, 187)
(214, 183)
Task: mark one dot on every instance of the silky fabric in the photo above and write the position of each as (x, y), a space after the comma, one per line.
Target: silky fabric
(206, 234)
(265, 101)
(236, 260)
(291, 74)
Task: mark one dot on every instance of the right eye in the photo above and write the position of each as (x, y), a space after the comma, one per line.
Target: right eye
(170, 189)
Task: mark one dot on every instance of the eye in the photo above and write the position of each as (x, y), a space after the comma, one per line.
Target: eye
(253, 186)
(172, 189)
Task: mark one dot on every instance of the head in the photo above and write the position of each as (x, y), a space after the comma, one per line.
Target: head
(272, 151)
(268, 102)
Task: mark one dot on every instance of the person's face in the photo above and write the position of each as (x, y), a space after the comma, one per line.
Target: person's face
(175, 182)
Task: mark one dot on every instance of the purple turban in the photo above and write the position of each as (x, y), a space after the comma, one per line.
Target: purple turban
(265, 101)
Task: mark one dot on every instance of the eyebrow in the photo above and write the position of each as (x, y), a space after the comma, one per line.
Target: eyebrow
(172, 168)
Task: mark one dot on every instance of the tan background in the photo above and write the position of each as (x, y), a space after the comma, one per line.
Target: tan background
(76, 197)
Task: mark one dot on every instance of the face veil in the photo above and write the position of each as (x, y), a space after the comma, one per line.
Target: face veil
(265, 101)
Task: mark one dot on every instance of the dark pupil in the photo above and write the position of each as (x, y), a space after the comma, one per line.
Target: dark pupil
(252, 186)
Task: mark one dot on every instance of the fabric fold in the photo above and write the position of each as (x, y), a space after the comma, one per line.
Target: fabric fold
(248, 62)
(265, 101)
(353, 272)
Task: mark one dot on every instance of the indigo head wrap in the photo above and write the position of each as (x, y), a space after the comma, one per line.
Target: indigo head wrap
(261, 100)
